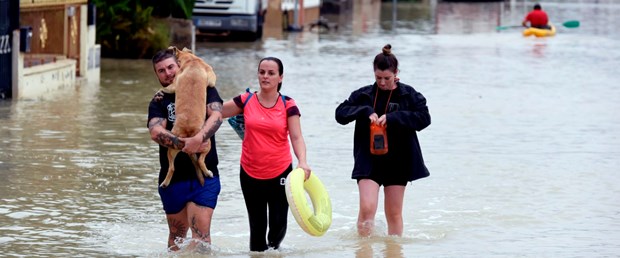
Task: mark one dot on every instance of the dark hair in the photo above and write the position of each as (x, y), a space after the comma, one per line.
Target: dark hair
(280, 67)
(385, 60)
(163, 54)
(537, 7)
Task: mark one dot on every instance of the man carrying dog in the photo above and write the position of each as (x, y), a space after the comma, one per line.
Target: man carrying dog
(187, 204)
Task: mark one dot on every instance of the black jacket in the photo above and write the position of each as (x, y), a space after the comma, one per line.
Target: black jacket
(404, 118)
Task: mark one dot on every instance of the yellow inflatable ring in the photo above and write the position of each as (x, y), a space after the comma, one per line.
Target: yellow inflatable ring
(314, 222)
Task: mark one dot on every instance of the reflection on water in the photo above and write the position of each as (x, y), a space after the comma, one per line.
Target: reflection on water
(522, 150)
(381, 247)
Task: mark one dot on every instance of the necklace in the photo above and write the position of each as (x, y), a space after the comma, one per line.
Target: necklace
(274, 103)
(386, 103)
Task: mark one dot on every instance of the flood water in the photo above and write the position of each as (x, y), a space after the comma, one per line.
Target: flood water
(523, 147)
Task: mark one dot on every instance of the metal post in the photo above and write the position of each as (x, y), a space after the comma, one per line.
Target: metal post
(302, 10)
(394, 15)
(296, 14)
(296, 26)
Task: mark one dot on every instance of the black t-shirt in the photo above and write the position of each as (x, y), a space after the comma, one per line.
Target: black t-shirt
(184, 169)
(382, 98)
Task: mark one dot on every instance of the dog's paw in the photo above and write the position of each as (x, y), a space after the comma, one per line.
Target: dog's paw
(208, 173)
(159, 96)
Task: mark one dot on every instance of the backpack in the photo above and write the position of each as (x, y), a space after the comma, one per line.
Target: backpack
(238, 122)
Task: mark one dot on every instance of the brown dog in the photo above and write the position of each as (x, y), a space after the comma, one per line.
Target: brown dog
(190, 88)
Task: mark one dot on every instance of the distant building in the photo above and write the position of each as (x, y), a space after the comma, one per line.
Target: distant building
(49, 44)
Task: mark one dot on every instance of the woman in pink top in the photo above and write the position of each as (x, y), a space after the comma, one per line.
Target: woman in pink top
(270, 119)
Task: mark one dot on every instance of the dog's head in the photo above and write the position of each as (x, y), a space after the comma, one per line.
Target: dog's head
(182, 56)
(185, 56)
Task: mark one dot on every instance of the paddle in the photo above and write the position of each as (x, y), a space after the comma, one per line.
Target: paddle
(509, 27)
(568, 24)
(571, 24)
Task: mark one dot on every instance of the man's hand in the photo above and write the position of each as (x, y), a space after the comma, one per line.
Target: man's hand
(194, 144)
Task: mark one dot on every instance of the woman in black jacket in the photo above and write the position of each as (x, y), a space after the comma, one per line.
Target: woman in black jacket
(399, 110)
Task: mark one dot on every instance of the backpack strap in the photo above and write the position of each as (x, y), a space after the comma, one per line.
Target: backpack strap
(252, 93)
(249, 96)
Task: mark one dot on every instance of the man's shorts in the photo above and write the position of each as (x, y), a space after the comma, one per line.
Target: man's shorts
(178, 194)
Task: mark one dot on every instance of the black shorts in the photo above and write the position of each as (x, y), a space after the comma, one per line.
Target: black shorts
(385, 170)
(383, 180)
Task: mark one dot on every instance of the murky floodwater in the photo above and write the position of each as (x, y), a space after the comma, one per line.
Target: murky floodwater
(523, 149)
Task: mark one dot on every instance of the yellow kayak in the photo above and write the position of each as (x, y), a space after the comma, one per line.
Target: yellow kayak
(539, 32)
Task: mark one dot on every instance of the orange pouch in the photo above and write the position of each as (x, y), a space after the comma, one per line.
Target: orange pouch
(378, 139)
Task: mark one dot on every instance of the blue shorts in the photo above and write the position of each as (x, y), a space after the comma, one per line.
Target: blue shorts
(178, 194)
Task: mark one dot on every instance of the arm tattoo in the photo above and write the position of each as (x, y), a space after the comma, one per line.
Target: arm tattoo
(215, 106)
(166, 138)
(212, 130)
(155, 121)
(169, 141)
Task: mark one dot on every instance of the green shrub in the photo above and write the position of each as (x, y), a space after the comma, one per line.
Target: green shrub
(126, 28)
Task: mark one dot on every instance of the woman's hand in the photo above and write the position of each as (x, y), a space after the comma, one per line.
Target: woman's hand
(373, 117)
(306, 169)
(378, 120)
(382, 121)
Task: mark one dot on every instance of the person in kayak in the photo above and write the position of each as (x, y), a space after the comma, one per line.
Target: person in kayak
(537, 18)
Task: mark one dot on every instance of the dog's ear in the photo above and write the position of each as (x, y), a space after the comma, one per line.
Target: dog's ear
(187, 50)
(174, 50)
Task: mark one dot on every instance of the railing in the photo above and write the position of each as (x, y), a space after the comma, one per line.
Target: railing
(39, 3)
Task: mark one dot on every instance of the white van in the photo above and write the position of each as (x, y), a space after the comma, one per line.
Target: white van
(217, 16)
